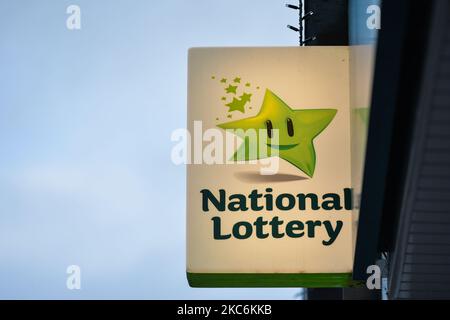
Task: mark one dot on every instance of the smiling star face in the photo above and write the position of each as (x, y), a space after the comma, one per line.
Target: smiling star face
(296, 130)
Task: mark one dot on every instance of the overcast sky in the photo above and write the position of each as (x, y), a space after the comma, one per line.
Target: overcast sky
(85, 123)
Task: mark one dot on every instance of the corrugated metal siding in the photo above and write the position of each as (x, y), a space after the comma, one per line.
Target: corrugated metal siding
(421, 259)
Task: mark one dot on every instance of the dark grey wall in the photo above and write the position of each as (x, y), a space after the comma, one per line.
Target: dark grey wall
(328, 24)
(420, 261)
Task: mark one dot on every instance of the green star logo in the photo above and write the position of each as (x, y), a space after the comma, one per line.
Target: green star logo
(231, 89)
(297, 130)
(246, 97)
(236, 105)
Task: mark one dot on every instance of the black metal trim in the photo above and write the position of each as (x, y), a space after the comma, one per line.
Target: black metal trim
(396, 63)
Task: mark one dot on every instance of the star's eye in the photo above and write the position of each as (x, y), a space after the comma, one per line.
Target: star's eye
(269, 128)
(290, 127)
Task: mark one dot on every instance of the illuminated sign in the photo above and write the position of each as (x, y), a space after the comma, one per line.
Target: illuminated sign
(269, 198)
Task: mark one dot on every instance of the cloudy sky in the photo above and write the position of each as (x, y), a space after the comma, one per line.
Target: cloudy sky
(85, 124)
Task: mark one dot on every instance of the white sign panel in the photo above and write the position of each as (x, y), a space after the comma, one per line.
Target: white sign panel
(269, 202)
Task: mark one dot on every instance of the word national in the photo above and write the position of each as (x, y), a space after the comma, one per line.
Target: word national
(265, 227)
